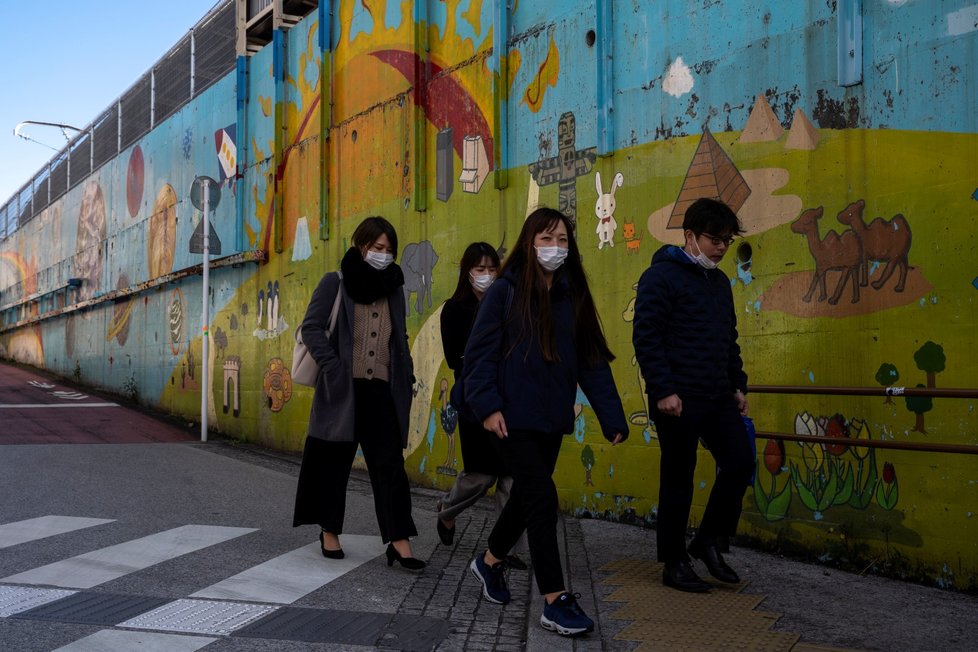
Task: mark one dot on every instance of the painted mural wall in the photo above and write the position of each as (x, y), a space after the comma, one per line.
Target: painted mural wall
(859, 203)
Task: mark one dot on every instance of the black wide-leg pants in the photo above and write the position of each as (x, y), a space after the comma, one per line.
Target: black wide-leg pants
(325, 471)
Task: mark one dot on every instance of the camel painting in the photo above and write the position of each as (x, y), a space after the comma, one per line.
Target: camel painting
(885, 241)
(833, 252)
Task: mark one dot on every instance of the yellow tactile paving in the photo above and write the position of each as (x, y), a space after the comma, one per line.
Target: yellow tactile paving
(665, 619)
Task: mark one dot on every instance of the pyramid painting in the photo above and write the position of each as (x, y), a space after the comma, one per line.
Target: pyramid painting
(762, 125)
(803, 134)
(711, 174)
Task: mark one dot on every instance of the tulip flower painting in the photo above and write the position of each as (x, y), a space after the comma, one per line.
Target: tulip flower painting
(834, 472)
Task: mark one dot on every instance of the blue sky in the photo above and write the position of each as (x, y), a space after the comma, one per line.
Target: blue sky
(66, 61)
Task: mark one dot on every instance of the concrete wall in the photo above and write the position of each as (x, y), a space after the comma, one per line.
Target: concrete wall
(741, 99)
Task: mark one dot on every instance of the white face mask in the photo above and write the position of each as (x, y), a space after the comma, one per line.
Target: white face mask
(551, 257)
(701, 258)
(481, 282)
(378, 260)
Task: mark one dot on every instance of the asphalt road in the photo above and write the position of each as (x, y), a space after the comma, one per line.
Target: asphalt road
(119, 531)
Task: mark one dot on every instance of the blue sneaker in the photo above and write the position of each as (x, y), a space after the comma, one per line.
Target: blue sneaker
(565, 616)
(492, 578)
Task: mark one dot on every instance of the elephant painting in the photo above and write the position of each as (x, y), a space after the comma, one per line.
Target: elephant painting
(417, 261)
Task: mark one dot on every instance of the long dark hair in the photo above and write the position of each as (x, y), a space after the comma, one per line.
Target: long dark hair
(531, 300)
(473, 255)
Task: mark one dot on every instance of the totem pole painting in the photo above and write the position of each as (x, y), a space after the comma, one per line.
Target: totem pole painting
(564, 168)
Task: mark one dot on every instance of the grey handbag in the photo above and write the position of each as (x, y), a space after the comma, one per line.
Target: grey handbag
(304, 368)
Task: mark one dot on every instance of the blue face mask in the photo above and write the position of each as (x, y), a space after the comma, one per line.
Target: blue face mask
(701, 258)
(481, 282)
(378, 260)
(551, 257)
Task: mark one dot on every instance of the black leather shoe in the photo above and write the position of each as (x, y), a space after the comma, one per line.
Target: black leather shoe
(445, 534)
(327, 553)
(711, 556)
(681, 576)
(409, 563)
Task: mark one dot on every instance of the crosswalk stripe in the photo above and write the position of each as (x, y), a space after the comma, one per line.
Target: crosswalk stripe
(27, 406)
(114, 640)
(100, 566)
(288, 577)
(12, 534)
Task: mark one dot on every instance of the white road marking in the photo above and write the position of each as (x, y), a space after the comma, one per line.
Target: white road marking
(12, 534)
(200, 617)
(30, 406)
(100, 566)
(109, 640)
(74, 396)
(15, 599)
(288, 577)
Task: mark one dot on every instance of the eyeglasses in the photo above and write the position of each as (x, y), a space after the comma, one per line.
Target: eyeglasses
(717, 241)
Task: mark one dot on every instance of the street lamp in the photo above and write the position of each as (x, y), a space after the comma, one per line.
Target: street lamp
(62, 127)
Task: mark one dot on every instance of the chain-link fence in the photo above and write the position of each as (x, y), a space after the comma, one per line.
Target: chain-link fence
(205, 55)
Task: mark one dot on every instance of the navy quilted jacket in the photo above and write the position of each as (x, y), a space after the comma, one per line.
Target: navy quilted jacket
(685, 329)
(534, 394)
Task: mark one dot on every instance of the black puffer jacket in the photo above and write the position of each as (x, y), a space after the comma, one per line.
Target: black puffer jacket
(685, 329)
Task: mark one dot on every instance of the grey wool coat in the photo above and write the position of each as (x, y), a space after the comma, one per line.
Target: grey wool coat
(332, 414)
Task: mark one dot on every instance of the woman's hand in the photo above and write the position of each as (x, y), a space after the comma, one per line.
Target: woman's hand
(496, 423)
(671, 405)
(616, 440)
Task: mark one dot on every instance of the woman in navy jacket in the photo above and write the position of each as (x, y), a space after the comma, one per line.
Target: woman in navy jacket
(537, 337)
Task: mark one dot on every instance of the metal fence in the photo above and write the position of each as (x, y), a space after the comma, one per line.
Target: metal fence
(205, 55)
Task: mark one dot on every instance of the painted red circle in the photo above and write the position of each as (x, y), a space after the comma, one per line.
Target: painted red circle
(134, 181)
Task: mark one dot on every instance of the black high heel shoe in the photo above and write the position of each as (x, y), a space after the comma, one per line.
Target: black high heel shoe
(329, 554)
(409, 563)
(445, 534)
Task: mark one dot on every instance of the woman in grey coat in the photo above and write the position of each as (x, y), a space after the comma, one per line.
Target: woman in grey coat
(363, 394)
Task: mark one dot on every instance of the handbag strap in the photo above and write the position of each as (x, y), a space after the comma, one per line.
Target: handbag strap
(336, 305)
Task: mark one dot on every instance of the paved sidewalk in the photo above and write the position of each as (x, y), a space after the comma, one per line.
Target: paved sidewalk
(782, 604)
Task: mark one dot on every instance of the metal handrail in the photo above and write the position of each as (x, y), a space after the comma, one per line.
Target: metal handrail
(934, 392)
(966, 449)
(927, 447)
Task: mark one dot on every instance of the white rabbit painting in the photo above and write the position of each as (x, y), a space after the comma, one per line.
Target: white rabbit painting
(605, 210)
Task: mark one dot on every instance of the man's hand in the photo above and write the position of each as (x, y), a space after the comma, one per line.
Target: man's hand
(741, 402)
(616, 440)
(497, 424)
(671, 405)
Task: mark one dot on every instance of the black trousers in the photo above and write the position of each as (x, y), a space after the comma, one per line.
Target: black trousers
(532, 505)
(718, 422)
(321, 493)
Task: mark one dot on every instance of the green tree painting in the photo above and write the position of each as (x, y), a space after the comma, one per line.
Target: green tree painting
(886, 375)
(931, 360)
(587, 459)
(919, 405)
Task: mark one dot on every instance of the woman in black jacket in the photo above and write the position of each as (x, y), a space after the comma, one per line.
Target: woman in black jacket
(537, 337)
(482, 465)
(363, 394)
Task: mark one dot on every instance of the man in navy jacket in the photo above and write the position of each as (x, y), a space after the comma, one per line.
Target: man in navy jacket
(685, 337)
